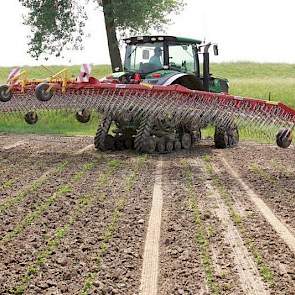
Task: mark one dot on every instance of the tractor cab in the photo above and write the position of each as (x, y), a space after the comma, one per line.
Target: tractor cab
(166, 60)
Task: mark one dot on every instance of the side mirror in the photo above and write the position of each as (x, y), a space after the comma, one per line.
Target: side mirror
(215, 49)
(145, 54)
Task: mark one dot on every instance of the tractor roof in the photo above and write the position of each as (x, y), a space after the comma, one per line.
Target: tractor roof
(161, 38)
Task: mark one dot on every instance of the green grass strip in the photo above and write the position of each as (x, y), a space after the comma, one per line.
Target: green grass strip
(111, 228)
(6, 204)
(32, 216)
(264, 270)
(201, 232)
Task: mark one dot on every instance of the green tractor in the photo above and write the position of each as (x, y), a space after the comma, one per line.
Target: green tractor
(163, 60)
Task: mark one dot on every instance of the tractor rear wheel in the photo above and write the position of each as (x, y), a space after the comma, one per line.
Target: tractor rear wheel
(103, 141)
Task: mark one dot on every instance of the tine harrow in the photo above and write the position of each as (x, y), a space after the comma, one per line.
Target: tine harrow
(142, 101)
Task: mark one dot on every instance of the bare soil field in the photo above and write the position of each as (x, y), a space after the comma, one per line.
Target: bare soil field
(77, 221)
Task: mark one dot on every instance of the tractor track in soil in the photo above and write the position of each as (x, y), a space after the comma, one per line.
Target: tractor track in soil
(272, 252)
(213, 238)
(271, 176)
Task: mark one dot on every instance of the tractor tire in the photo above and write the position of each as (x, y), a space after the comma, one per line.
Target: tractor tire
(284, 138)
(5, 93)
(31, 118)
(120, 142)
(83, 116)
(103, 141)
(226, 137)
(142, 141)
(43, 92)
(129, 143)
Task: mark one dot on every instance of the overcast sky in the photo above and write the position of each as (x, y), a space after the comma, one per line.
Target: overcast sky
(246, 30)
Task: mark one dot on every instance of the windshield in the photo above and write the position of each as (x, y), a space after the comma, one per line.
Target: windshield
(181, 58)
(144, 58)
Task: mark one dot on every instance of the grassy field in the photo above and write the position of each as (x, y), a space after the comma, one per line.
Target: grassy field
(246, 79)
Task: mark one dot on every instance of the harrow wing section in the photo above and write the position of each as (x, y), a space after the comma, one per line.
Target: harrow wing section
(140, 101)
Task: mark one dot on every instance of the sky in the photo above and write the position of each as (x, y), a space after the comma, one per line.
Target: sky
(245, 30)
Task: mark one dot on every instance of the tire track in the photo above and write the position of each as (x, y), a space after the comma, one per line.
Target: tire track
(13, 145)
(273, 257)
(150, 268)
(279, 226)
(250, 280)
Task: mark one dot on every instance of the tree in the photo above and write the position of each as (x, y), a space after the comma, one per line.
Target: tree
(57, 25)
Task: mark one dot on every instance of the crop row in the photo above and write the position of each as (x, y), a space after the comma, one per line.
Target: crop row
(34, 186)
(127, 186)
(43, 206)
(263, 267)
(202, 239)
(84, 202)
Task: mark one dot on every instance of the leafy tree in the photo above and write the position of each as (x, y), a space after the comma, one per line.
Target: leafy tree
(59, 24)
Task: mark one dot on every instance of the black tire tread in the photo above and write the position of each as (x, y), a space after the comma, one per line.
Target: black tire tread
(102, 132)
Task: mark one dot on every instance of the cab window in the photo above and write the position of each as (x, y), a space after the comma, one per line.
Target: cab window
(181, 58)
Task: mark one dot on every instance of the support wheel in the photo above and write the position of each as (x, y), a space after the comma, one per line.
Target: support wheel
(103, 141)
(31, 118)
(44, 92)
(5, 93)
(83, 116)
(284, 138)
